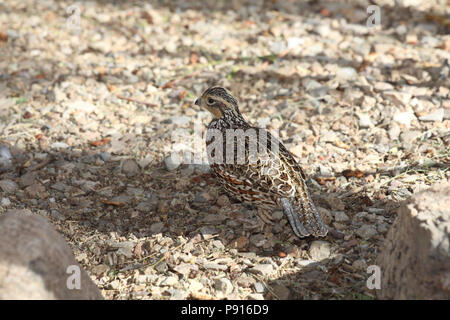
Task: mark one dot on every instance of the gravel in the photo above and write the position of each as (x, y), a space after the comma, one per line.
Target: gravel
(89, 118)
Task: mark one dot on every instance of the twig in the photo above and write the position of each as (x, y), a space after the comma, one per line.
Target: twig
(41, 164)
(136, 101)
(171, 83)
(268, 287)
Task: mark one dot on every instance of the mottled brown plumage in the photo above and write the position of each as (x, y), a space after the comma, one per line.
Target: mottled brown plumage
(255, 167)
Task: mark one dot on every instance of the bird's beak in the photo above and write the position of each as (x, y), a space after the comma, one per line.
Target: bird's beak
(197, 102)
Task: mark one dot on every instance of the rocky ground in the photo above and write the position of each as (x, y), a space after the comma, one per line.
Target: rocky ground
(88, 113)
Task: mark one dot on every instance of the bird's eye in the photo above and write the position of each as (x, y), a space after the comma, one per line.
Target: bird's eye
(210, 101)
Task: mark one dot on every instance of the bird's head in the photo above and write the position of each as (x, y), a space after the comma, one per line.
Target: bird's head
(219, 102)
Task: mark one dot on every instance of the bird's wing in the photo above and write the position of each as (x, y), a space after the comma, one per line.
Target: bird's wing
(268, 173)
(272, 176)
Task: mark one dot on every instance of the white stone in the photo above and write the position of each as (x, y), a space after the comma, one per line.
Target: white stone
(405, 118)
(435, 116)
(320, 250)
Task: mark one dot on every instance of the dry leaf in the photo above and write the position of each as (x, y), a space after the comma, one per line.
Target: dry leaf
(323, 180)
(193, 59)
(352, 173)
(182, 94)
(168, 84)
(148, 17)
(325, 12)
(3, 36)
(366, 200)
(27, 115)
(40, 76)
(338, 143)
(101, 142)
(113, 203)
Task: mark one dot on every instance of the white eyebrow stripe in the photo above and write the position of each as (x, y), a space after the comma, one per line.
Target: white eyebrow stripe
(220, 99)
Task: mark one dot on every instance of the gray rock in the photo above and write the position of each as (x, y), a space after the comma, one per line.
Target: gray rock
(176, 294)
(382, 86)
(27, 179)
(8, 186)
(366, 231)
(435, 116)
(340, 216)
(203, 197)
(115, 285)
(169, 281)
(320, 250)
(5, 202)
(59, 145)
(415, 257)
(394, 132)
(277, 215)
(12, 34)
(324, 171)
(334, 203)
(100, 269)
(262, 269)
(429, 41)
(259, 287)
(208, 232)
(447, 113)
(258, 240)
(61, 186)
(161, 267)
(365, 121)
(195, 285)
(405, 118)
(278, 47)
(156, 227)
(382, 228)
(281, 291)
(346, 73)
(223, 201)
(35, 189)
(130, 168)
(410, 136)
(146, 278)
(37, 263)
(215, 266)
(5, 158)
(172, 162)
(214, 218)
(255, 296)
(304, 263)
(359, 264)
(185, 268)
(105, 156)
(180, 120)
(171, 47)
(224, 285)
(376, 210)
(146, 206)
(56, 214)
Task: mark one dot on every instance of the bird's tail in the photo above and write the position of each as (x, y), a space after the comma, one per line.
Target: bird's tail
(304, 218)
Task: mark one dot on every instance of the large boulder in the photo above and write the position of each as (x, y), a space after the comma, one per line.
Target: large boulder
(36, 262)
(415, 259)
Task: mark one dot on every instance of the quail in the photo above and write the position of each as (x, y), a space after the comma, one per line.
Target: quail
(256, 168)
